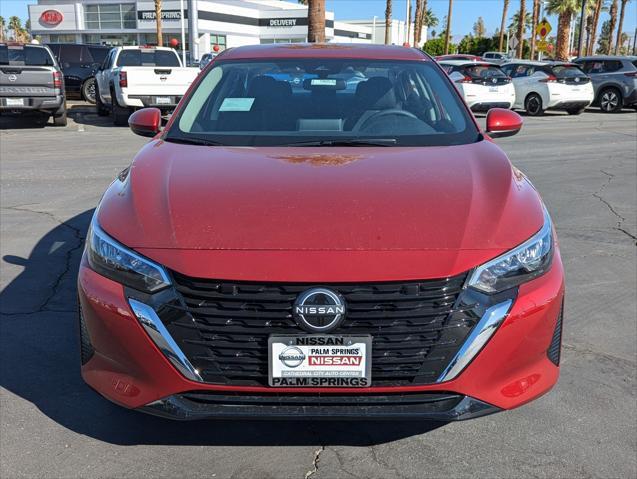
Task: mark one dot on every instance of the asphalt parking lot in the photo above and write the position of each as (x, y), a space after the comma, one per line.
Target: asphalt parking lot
(53, 425)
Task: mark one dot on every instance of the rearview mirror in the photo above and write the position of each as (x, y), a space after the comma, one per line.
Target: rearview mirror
(502, 122)
(145, 122)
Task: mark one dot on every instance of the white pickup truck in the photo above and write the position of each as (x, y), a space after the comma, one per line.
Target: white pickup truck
(137, 77)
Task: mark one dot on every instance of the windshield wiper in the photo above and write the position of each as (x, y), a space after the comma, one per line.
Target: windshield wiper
(194, 141)
(345, 142)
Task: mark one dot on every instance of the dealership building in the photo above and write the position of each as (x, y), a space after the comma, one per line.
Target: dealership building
(220, 23)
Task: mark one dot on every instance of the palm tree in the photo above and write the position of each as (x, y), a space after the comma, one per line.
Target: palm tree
(16, 25)
(3, 24)
(619, 43)
(521, 27)
(504, 16)
(160, 39)
(515, 22)
(613, 22)
(534, 22)
(429, 19)
(418, 21)
(388, 22)
(599, 6)
(316, 21)
(564, 9)
(448, 29)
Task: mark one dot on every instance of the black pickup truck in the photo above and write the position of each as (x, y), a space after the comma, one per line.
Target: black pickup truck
(31, 82)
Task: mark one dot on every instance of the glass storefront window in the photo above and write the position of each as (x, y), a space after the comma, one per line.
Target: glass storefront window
(111, 15)
(219, 40)
(111, 39)
(61, 38)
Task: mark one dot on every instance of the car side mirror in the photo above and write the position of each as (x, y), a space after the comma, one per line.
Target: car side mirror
(145, 122)
(502, 122)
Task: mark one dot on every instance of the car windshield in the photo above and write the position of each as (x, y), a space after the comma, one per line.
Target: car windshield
(147, 58)
(25, 55)
(323, 102)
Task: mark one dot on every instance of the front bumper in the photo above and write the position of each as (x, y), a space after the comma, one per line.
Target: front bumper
(432, 407)
(513, 368)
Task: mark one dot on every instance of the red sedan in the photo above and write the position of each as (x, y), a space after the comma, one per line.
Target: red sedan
(321, 231)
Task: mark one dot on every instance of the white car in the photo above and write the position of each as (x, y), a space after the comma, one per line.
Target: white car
(541, 86)
(482, 85)
(137, 77)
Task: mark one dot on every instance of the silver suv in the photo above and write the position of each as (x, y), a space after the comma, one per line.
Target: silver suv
(614, 80)
(31, 82)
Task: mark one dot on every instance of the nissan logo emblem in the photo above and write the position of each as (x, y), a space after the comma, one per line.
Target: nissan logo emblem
(319, 310)
(12, 78)
(292, 357)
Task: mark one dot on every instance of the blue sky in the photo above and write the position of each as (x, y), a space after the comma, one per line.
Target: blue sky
(465, 11)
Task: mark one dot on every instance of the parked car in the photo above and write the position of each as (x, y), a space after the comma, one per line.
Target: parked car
(458, 56)
(79, 64)
(496, 57)
(482, 85)
(321, 252)
(138, 77)
(205, 59)
(541, 86)
(31, 82)
(614, 80)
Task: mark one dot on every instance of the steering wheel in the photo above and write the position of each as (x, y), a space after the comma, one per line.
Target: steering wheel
(391, 111)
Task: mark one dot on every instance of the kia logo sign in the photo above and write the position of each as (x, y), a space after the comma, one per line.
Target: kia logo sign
(51, 18)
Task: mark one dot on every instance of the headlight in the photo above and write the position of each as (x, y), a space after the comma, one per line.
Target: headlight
(529, 260)
(113, 260)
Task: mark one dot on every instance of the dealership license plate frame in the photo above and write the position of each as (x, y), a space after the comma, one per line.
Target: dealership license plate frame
(15, 101)
(350, 341)
(163, 100)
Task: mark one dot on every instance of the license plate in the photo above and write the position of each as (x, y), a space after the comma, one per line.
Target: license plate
(320, 361)
(493, 89)
(576, 89)
(15, 101)
(163, 100)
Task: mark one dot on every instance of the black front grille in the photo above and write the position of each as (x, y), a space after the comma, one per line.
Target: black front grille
(416, 327)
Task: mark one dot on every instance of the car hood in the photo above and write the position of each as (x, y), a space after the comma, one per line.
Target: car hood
(453, 198)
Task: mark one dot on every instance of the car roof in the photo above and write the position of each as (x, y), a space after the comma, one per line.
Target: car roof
(324, 50)
(548, 63)
(146, 47)
(629, 58)
(92, 45)
(21, 44)
(469, 63)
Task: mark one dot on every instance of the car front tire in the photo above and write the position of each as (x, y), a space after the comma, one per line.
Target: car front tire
(610, 100)
(533, 105)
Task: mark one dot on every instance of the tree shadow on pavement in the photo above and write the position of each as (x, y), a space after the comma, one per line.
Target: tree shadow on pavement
(39, 362)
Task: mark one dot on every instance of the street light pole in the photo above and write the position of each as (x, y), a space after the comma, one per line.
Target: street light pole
(582, 20)
(183, 33)
(193, 31)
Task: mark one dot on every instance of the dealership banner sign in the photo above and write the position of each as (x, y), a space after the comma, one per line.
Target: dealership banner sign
(166, 15)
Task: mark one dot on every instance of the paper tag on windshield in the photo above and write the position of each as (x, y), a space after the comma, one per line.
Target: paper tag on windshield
(236, 104)
(323, 82)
